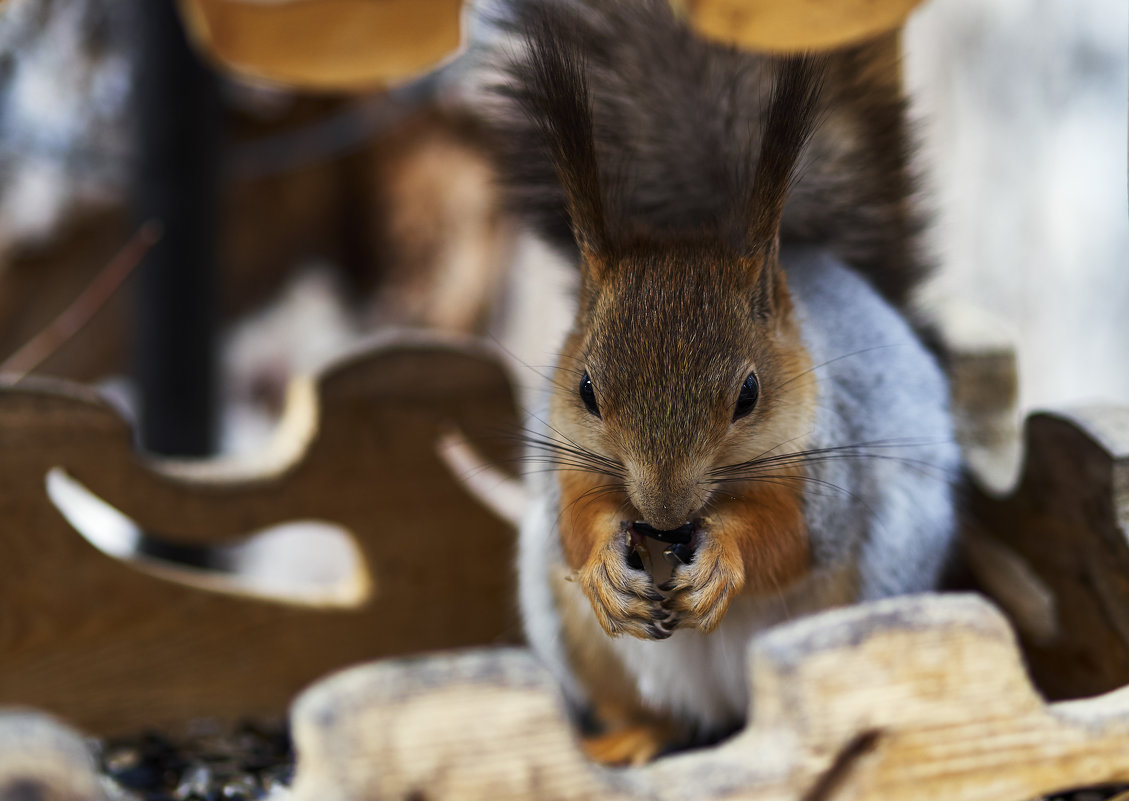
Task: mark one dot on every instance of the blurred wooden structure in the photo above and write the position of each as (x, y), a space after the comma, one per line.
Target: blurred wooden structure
(921, 697)
(327, 44)
(117, 645)
(794, 25)
(354, 44)
(409, 224)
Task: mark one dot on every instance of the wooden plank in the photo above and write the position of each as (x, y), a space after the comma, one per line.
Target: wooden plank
(113, 646)
(923, 697)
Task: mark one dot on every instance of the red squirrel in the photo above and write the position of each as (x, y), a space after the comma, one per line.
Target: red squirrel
(743, 425)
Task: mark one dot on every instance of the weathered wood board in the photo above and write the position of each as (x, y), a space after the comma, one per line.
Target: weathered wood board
(923, 697)
(112, 645)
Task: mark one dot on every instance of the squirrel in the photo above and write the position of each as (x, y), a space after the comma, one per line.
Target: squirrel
(744, 425)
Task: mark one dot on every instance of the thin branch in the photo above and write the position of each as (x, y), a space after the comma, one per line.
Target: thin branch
(72, 319)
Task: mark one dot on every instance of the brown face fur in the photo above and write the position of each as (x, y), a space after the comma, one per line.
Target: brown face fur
(667, 335)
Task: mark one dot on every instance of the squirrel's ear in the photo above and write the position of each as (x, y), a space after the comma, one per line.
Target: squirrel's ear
(557, 100)
(791, 119)
(770, 297)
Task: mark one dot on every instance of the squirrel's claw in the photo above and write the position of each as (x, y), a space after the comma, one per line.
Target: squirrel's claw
(699, 593)
(661, 629)
(623, 594)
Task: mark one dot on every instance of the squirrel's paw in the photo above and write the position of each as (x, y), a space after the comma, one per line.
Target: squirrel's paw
(623, 594)
(698, 593)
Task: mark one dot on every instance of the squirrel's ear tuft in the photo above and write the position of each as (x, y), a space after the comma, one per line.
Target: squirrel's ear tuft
(555, 96)
(791, 119)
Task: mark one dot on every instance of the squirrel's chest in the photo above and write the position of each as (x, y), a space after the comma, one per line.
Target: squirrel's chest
(696, 676)
(693, 676)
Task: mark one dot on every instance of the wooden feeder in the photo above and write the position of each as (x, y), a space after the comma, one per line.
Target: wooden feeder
(924, 697)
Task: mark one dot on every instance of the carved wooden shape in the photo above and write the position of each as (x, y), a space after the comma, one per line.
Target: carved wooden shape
(1062, 533)
(113, 647)
(922, 697)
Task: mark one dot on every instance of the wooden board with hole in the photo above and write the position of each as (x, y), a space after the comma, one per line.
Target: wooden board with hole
(114, 646)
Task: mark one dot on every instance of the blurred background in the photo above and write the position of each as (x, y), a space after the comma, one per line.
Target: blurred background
(1022, 106)
(296, 223)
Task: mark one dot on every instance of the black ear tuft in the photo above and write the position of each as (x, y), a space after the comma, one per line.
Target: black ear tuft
(791, 119)
(552, 88)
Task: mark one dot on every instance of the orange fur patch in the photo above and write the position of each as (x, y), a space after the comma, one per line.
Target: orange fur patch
(766, 527)
(628, 746)
(589, 516)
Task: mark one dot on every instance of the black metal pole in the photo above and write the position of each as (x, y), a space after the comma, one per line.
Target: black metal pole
(176, 182)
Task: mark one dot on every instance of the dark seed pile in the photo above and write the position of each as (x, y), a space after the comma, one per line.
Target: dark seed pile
(206, 762)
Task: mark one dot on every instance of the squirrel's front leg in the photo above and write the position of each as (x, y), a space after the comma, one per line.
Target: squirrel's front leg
(597, 545)
(699, 590)
(756, 542)
(622, 592)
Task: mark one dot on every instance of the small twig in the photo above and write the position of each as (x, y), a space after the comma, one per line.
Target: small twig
(71, 320)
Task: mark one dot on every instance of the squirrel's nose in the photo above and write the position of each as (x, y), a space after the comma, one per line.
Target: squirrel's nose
(677, 536)
(666, 519)
(666, 500)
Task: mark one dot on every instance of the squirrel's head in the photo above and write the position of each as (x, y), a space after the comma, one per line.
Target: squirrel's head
(685, 355)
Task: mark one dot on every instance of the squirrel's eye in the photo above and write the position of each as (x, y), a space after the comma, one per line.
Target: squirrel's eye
(750, 391)
(588, 394)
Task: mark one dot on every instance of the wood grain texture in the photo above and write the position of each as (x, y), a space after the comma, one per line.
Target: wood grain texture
(794, 25)
(111, 647)
(922, 697)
